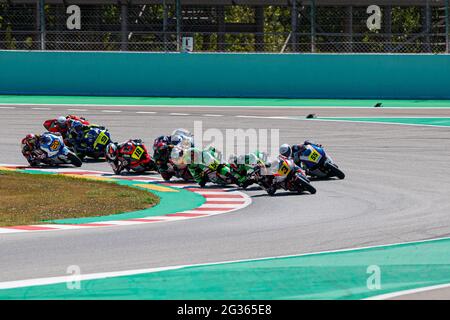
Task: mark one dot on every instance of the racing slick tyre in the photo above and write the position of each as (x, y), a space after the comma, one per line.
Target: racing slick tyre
(166, 175)
(335, 171)
(271, 190)
(186, 176)
(305, 185)
(74, 159)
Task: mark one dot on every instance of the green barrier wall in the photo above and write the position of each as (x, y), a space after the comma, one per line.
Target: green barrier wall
(226, 75)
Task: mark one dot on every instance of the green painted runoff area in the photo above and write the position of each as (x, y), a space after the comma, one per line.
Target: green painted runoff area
(445, 122)
(249, 102)
(332, 275)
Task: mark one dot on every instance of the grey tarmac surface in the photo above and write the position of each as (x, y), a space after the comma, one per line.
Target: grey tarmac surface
(435, 294)
(396, 190)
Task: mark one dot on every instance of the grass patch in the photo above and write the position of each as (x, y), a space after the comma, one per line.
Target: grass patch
(34, 198)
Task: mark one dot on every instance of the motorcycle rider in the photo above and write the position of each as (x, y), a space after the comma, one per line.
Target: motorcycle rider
(163, 146)
(31, 147)
(296, 150)
(62, 124)
(130, 155)
(77, 135)
(244, 166)
(199, 162)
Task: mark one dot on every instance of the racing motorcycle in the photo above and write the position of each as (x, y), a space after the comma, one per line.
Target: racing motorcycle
(182, 138)
(214, 171)
(176, 166)
(316, 163)
(94, 143)
(219, 173)
(205, 166)
(130, 156)
(248, 167)
(54, 152)
(283, 173)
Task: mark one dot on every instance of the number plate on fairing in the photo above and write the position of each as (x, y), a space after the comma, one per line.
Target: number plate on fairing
(55, 145)
(284, 169)
(137, 154)
(102, 139)
(314, 156)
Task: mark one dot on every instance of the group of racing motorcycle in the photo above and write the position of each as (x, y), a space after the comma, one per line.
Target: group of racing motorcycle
(71, 139)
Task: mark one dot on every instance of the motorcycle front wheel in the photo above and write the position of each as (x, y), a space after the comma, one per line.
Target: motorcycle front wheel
(335, 171)
(305, 185)
(74, 159)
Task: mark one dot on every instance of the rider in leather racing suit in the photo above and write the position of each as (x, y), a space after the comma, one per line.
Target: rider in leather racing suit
(77, 135)
(243, 166)
(295, 151)
(163, 146)
(201, 161)
(63, 124)
(31, 147)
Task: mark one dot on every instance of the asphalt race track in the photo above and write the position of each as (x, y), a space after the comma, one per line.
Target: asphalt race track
(396, 190)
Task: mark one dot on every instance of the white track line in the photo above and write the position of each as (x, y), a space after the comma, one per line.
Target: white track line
(5, 230)
(375, 122)
(59, 226)
(111, 111)
(407, 292)
(215, 106)
(225, 206)
(146, 112)
(212, 115)
(54, 280)
(250, 117)
(278, 118)
(7, 107)
(41, 108)
(82, 110)
(179, 114)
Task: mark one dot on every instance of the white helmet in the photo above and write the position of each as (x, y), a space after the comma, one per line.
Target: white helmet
(62, 121)
(175, 139)
(285, 150)
(111, 151)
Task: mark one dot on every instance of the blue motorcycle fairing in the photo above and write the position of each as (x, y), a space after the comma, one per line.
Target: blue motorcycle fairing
(305, 154)
(55, 146)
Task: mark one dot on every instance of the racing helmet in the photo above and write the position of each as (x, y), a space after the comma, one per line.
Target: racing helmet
(29, 140)
(175, 139)
(62, 121)
(159, 142)
(181, 132)
(285, 150)
(111, 151)
(177, 156)
(45, 139)
(76, 126)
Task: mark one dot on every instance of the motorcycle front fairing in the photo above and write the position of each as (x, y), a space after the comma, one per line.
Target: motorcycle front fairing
(312, 156)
